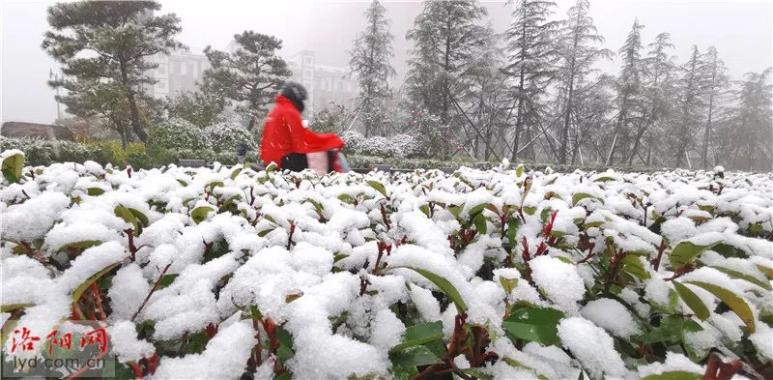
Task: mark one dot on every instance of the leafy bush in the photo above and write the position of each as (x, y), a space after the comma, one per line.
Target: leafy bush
(176, 134)
(399, 146)
(226, 137)
(404, 145)
(496, 274)
(44, 152)
(115, 153)
(37, 151)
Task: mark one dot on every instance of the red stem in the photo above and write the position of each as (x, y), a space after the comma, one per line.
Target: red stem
(153, 290)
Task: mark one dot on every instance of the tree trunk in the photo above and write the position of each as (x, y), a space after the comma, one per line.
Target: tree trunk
(707, 135)
(518, 124)
(618, 126)
(134, 112)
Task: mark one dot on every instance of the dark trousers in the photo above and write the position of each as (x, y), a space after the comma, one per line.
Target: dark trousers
(296, 162)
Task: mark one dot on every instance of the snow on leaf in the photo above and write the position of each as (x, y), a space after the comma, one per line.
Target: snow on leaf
(444, 285)
(12, 163)
(692, 300)
(736, 302)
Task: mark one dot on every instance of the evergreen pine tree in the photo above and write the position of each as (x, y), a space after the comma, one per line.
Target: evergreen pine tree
(717, 82)
(103, 46)
(659, 92)
(530, 66)
(444, 37)
(746, 136)
(579, 50)
(691, 105)
(629, 100)
(370, 63)
(249, 76)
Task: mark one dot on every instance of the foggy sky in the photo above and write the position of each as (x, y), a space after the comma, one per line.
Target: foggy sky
(741, 30)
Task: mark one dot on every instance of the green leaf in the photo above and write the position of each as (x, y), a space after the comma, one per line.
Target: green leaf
(455, 211)
(81, 245)
(685, 253)
(508, 284)
(444, 286)
(94, 191)
(317, 206)
(604, 178)
(478, 373)
(480, 223)
(478, 209)
(693, 302)
(529, 210)
(210, 187)
(346, 198)
(143, 220)
(534, 324)
(673, 375)
(767, 271)
(577, 197)
(671, 330)
(255, 313)
(544, 215)
(379, 187)
(12, 167)
(743, 276)
(235, 173)
(78, 292)
(166, 280)
(284, 353)
(732, 300)
(512, 229)
(13, 306)
(420, 334)
(425, 209)
(413, 356)
(200, 213)
(519, 171)
(633, 266)
(124, 213)
(271, 167)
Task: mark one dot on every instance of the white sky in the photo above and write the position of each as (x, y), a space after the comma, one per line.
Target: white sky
(742, 31)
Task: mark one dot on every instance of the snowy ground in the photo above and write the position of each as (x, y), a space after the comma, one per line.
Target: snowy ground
(499, 273)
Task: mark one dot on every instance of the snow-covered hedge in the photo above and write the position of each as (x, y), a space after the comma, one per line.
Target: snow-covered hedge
(398, 146)
(177, 134)
(506, 274)
(226, 137)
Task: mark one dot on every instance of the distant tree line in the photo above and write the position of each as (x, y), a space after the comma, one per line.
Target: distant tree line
(532, 92)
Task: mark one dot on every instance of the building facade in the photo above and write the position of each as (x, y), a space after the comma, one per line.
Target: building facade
(177, 73)
(325, 84)
(180, 72)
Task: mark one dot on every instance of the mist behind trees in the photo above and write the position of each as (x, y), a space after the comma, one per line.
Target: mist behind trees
(535, 92)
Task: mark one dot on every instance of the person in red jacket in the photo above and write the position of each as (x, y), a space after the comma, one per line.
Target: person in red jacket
(286, 142)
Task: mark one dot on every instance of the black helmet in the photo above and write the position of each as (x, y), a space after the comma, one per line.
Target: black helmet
(295, 92)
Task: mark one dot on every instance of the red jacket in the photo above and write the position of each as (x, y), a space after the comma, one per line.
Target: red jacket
(284, 134)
